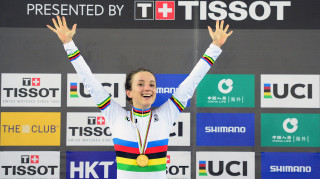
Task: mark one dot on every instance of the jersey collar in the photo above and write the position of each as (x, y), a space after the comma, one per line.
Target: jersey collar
(141, 112)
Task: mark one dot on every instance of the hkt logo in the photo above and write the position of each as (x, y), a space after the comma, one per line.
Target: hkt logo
(95, 164)
(293, 125)
(164, 10)
(298, 91)
(88, 168)
(96, 127)
(229, 167)
(225, 86)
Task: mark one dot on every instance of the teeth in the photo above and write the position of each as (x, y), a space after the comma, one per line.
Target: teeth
(146, 95)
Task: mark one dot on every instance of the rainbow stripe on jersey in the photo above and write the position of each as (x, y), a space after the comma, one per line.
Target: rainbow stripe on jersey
(208, 59)
(104, 104)
(74, 55)
(128, 151)
(177, 103)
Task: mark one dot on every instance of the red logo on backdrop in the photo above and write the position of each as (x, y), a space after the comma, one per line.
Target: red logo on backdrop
(101, 120)
(168, 158)
(35, 81)
(34, 158)
(165, 10)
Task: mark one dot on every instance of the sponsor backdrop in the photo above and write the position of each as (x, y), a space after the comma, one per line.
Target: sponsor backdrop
(255, 115)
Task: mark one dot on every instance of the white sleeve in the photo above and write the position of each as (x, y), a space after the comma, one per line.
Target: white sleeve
(96, 90)
(184, 92)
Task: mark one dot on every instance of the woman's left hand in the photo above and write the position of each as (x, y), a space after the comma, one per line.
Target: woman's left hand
(219, 37)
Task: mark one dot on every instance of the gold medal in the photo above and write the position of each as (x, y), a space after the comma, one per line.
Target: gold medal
(142, 160)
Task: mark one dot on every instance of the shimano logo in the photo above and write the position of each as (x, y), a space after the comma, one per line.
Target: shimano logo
(166, 90)
(225, 129)
(298, 169)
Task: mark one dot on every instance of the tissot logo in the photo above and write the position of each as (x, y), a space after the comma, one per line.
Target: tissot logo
(30, 159)
(79, 96)
(99, 120)
(297, 91)
(214, 10)
(88, 129)
(35, 164)
(163, 10)
(27, 81)
(225, 164)
(30, 90)
(178, 165)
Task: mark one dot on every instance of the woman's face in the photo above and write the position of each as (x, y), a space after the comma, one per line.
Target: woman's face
(143, 90)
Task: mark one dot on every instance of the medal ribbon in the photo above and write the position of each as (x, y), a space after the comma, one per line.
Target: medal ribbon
(142, 147)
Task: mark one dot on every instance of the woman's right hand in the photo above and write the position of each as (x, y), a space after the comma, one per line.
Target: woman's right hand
(62, 30)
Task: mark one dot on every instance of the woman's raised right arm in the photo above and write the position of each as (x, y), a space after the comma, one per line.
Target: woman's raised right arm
(96, 90)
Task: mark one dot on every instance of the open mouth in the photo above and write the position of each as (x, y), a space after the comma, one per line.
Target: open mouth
(147, 96)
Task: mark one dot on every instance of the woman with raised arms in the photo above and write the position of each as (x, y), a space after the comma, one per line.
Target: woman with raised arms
(141, 135)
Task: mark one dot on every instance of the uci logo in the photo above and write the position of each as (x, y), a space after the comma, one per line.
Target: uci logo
(293, 125)
(225, 86)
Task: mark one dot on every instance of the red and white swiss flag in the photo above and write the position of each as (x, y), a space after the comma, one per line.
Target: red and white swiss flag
(35, 81)
(101, 120)
(34, 159)
(165, 10)
(168, 158)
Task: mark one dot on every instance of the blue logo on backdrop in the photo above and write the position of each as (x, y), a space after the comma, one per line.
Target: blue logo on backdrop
(91, 165)
(166, 86)
(225, 129)
(293, 165)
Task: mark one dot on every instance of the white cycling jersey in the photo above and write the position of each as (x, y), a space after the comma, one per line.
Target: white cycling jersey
(124, 124)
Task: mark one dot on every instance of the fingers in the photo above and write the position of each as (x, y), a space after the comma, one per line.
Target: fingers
(221, 25)
(51, 28)
(64, 22)
(217, 24)
(229, 33)
(227, 27)
(55, 23)
(74, 27)
(59, 21)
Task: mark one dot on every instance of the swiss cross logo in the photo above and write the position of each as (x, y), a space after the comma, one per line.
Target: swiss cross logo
(168, 158)
(35, 81)
(34, 158)
(101, 120)
(165, 10)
